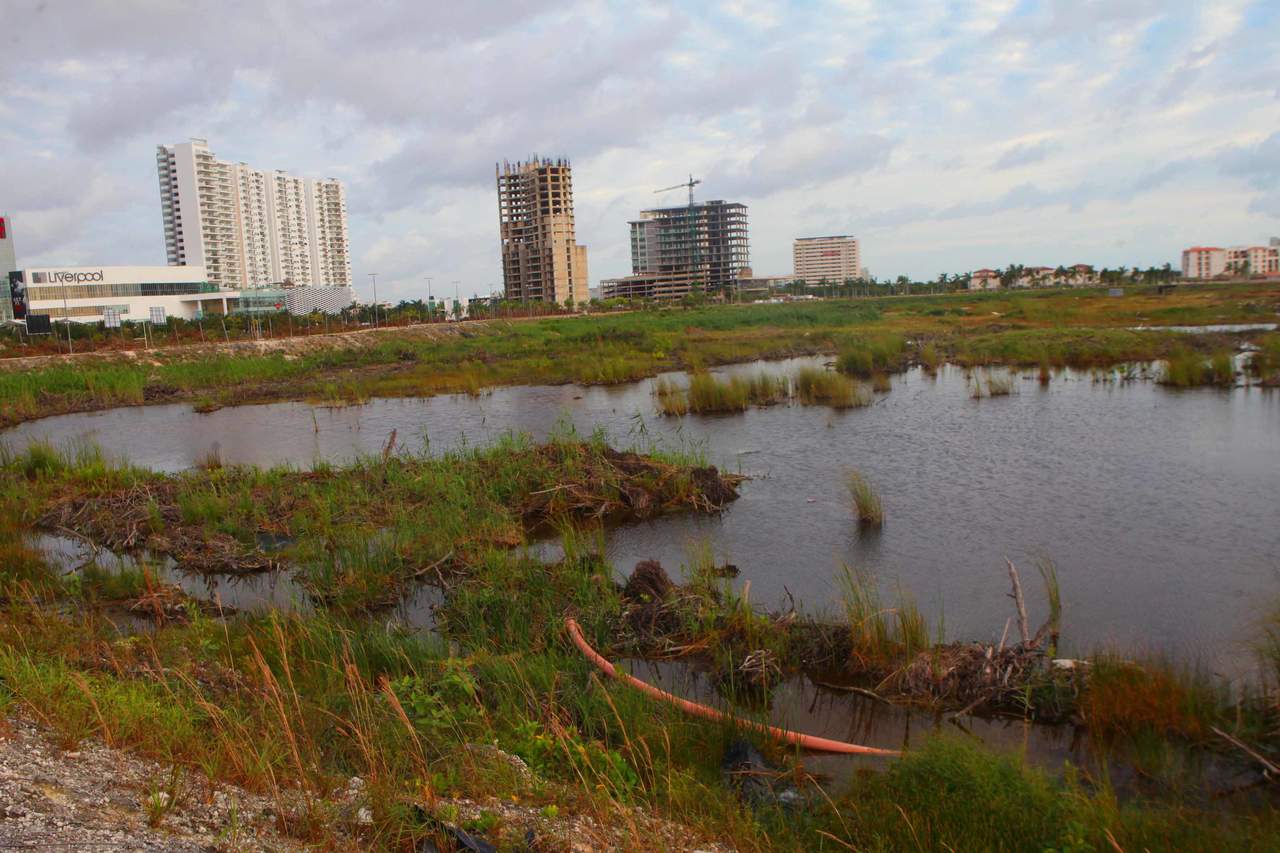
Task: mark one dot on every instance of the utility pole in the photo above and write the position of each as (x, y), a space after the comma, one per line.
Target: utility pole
(431, 309)
(456, 303)
(374, 276)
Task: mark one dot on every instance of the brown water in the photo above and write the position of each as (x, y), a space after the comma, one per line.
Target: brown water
(1160, 507)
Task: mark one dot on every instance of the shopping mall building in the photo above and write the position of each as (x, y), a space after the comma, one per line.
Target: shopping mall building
(94, 294)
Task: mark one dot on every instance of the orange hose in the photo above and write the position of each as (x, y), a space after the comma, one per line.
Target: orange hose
(810, 742)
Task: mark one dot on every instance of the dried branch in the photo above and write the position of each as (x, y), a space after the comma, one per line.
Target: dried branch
(1023, 625)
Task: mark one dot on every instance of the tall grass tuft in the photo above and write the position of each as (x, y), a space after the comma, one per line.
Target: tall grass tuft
(672, 399)
(864, 356)
(866, 500)
(930, 358)
(815, 386)
(882, 637)
(1187, 369)
(1053, 593)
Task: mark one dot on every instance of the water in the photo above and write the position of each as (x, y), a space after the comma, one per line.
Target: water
(254, 593)
(1221, 328)
(801, 705)
(1158, 506)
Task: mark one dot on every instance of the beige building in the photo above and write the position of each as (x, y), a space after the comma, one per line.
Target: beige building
(251, 227)
(1213, 261)
(833, 259)
(541, 259)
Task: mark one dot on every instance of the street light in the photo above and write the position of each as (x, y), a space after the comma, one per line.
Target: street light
(374, 276)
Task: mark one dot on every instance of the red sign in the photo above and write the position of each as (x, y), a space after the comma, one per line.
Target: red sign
(1, 227)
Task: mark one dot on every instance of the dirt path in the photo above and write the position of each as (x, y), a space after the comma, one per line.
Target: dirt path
(300, 345)
(96, 798)
(93, 797)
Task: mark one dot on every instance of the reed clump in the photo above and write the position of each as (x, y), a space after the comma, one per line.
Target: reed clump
(1189, 369)
(883, 638)
(864, 356)
(867, 507)
(709, 394)
(816, 386)
(991, 385)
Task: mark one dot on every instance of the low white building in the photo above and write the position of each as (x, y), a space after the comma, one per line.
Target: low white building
(92, 294)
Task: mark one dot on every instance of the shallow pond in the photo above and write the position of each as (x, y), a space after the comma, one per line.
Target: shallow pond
(1160, 507)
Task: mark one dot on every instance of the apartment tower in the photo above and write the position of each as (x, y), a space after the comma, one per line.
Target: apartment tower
(832, 259)
(251, 227)
(541, 259)
(677, 249)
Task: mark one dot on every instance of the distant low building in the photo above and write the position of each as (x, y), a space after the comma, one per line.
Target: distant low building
(97, 294)
(296, 300)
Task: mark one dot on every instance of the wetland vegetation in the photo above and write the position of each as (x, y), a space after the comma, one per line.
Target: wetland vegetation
(1077, 328)
(294, 704)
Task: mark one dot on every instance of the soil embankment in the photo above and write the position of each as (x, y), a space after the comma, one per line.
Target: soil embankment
(346, 341)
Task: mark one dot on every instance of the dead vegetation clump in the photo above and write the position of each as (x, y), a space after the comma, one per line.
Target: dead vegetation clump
(149, 516)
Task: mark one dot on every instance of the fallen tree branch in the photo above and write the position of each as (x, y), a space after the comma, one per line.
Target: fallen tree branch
(1023, 626)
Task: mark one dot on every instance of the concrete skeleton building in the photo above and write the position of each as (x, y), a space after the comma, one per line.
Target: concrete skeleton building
(834, 259)
(1213, 261)
(251, 227)
(541, 259)
(675, 249)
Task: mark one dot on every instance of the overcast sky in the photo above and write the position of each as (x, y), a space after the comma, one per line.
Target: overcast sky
(947, 136)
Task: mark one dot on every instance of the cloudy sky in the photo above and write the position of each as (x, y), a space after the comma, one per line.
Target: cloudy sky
(946, 135)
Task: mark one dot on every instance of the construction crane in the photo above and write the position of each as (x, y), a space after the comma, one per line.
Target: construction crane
(691, 183)
(693, 266)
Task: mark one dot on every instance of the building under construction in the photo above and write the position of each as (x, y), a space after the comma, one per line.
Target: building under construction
(677, 249)
(541, 260)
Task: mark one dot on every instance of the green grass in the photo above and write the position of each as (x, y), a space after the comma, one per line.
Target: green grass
(1187, 369)
(867, 507)
(816, 386)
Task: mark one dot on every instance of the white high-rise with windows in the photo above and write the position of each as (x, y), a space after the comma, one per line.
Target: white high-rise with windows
(832, 259)
(251, 227)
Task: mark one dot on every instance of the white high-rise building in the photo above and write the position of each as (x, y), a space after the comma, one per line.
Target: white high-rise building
(831, 259)
(251, 227)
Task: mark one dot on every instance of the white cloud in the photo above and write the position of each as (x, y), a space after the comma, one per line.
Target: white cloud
(986, 130)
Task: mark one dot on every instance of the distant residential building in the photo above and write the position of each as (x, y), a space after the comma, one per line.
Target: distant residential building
(1203, 261)
(833, 259)
(251, 227)
(541, 259)
(1035, 277)
(1214, 261)
(984, 279)
(677, 249)
(96, 294)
